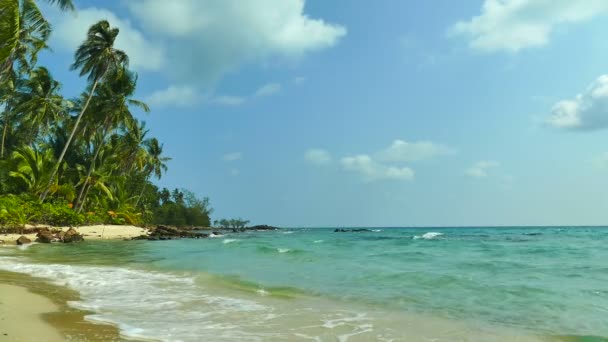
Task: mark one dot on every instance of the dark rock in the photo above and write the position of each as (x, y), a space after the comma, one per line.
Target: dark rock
(361, 230)
(45, 236)
(262, 227)
(71, 236)
(23, 241)
(164, 233)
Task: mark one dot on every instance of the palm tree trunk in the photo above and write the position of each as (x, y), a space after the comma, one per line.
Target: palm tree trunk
(143, 188)
(86, 193)
(84, 185)
(92, 166)
(3, 138)
(67, 143)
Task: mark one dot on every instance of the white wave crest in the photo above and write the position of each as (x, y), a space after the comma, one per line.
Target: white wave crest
(429, 236)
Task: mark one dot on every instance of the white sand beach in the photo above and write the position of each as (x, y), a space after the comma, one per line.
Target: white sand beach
(98, 232)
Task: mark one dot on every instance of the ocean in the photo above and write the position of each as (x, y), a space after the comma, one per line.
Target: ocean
(385, 284)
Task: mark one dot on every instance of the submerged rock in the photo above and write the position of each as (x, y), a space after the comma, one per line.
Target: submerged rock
(352, 230)
(262, 227)
(22, 240)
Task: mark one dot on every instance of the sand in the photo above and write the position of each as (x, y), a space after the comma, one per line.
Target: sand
(20, 316)
(100, 232)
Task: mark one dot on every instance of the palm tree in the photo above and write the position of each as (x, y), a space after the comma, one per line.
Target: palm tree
(33, 167)
(20, 19)
(39, 103)
(9, 28)
(156, 163)
(113, 105)
(96, 57)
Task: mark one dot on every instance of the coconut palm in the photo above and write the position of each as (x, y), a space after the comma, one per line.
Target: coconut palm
(156, 163)
(40, 105)
(112, 103)
(9, 28)
(95, 58)
(22, 25)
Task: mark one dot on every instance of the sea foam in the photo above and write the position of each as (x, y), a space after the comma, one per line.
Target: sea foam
(428, 236)
(152, 305)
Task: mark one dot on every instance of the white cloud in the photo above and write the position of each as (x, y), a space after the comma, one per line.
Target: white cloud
(481, 169)
(268, 89)
(227, 100)
(69, 31)
(318, 156)
(512, 25)
(374, 171)
(299, 80)
(235, 172)
(207, 38)
(587, 111)
(403, 151)
(178, 96)
(234, 156)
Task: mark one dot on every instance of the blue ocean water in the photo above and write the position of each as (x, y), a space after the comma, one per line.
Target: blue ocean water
(381, 284)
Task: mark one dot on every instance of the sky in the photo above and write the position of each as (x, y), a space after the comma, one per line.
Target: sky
(357, 113)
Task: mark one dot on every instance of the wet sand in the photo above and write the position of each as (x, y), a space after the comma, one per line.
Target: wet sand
(33, 310)
(21, 316)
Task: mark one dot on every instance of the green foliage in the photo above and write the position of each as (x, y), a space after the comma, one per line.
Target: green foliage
(16, 211)
(86, 160)
(182, 209)
(9, 27)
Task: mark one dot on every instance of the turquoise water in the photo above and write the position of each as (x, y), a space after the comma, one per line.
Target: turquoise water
(536, 282)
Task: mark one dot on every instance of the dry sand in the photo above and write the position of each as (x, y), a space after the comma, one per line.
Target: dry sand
(100, 232)
(20, 316)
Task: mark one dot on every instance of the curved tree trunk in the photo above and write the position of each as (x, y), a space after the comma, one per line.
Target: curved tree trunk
(143, 188)
(84, 197)
(81, 195)
(67, 143)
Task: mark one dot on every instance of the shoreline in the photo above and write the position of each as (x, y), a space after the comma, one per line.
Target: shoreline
(32, 309)
(93, 232)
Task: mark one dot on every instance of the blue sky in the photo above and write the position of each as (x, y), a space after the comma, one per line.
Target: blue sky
(384, 113)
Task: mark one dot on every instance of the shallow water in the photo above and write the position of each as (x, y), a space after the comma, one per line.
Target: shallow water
(313, 284)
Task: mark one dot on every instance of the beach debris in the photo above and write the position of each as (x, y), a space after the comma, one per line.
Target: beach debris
(22, 240)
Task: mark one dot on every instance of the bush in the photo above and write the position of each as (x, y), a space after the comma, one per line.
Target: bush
(16, 211)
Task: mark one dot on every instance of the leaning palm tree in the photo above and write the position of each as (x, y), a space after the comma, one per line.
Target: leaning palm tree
(113, 102)
(95, 58)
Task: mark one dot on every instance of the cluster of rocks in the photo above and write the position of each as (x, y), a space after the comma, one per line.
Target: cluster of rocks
(45, 235)
(170, 233)
(245, 229)
(339, 230)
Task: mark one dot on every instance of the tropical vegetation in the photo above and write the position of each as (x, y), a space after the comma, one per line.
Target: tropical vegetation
(82, 160)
